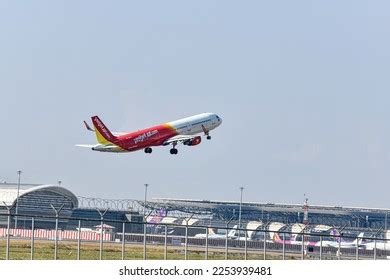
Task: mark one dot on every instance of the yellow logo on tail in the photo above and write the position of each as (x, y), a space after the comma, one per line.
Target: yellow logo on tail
(101, 139)
(103, 135)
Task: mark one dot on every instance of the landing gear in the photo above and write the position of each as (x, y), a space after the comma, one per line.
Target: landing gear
(173, 151)
(206, 132)
(148, 150)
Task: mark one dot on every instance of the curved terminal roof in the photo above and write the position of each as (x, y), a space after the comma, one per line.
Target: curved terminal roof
(190, 222)
(274, 227)
(9, 193)
(169, 220)
(319, 228)
(252, 226)
(297, 228)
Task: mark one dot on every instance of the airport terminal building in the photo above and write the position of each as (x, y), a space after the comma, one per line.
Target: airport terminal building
(42, 202)
(39, 201)
(219, 212)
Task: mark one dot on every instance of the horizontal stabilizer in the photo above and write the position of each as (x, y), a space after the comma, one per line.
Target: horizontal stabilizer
(85, 146)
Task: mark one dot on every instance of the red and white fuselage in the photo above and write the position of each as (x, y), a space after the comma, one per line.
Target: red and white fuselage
(186, 131)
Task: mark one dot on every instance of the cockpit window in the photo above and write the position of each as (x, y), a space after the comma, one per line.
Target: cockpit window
(218, 118)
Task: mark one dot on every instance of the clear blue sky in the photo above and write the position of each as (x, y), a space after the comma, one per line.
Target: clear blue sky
(302, 87)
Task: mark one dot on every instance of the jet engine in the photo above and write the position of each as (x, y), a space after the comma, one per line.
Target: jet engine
(194, 141)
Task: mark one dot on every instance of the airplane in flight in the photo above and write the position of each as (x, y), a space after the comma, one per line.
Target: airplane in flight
(186, 131)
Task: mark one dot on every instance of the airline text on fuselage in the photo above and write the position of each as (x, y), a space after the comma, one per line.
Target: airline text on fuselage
(145, 136)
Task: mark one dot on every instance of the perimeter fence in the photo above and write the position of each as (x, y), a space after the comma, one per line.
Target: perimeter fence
(168, 241)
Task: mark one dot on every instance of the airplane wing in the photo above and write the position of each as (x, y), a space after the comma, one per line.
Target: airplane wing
(179, 138)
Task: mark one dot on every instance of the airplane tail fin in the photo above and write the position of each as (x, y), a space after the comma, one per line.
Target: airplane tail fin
(103, 134)
(358, 241)
(336, 233)
(277, 238)
(232, 232)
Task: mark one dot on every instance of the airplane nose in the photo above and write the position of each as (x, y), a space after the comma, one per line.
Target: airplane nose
(219, 120)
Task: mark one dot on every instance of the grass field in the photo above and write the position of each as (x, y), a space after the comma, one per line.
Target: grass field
(44, 250)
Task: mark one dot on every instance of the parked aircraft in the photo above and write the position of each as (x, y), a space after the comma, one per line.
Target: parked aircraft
(379, 245)
(186, 131)
(343, 244)
(212, 235)
(314, 240)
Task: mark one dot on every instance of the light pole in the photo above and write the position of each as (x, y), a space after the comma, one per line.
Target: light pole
(57, 211)
(101, 232)
(8, 226)
(19, 172)
(145, 218)
(239, 213)
(146, 193)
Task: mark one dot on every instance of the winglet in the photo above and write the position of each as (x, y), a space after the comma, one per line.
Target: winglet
(88, 127)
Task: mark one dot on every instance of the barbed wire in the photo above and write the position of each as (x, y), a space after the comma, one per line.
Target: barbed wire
(112, 204)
